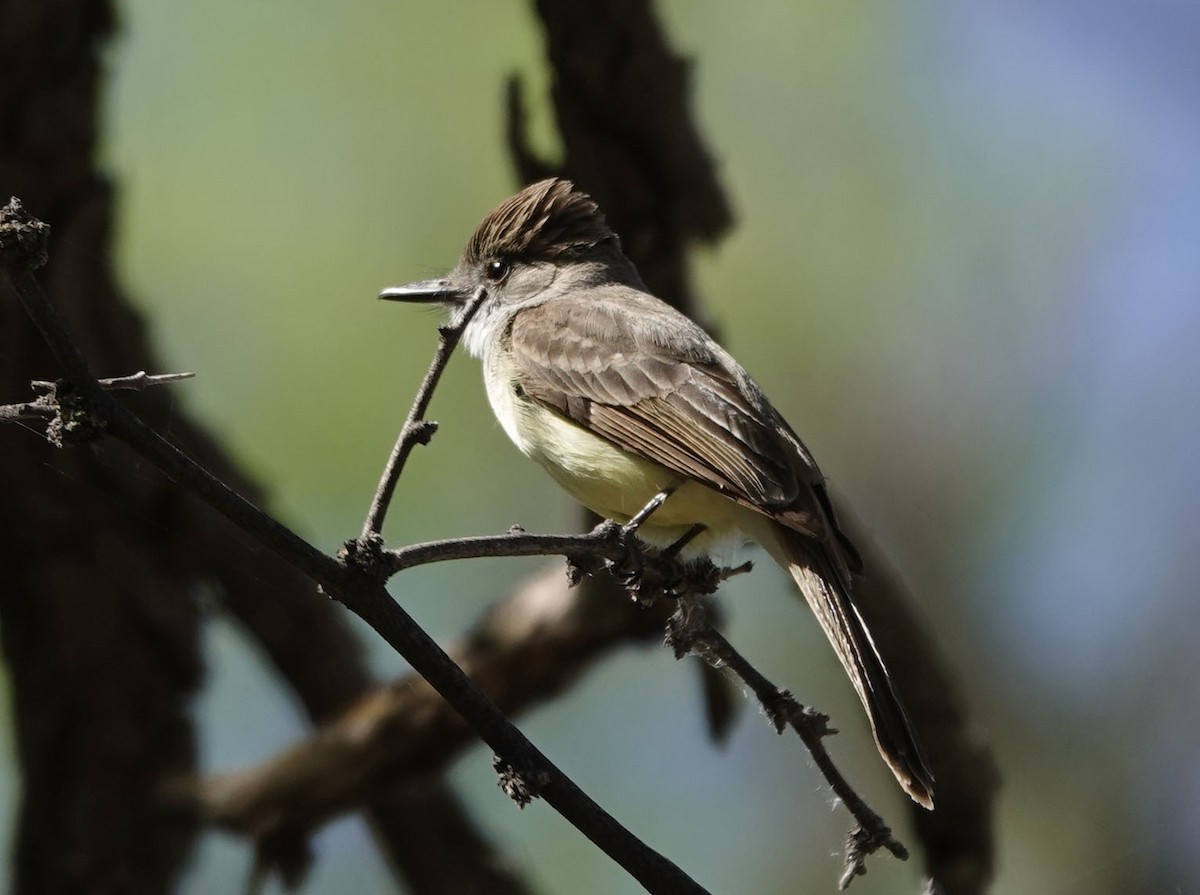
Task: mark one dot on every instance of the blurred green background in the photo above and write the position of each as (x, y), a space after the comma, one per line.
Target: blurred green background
(966, 268)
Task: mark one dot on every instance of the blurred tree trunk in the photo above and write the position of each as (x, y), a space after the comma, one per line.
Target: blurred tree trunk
(101, 555)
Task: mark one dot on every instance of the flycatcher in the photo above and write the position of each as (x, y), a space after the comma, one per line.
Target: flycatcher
(620, 397)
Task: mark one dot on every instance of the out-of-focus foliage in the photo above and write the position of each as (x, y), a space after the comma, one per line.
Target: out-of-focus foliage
(966, 268)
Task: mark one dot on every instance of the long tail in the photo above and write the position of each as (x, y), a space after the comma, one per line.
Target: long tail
(830, 600)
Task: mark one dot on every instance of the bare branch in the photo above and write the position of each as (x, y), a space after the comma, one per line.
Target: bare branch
(416, 429)
(608, 542)
(397, 731)
(691, 631)
(363, 595)
(68, 420)
(134, 382)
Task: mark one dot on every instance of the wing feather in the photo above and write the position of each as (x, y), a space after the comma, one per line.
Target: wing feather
(646, 379)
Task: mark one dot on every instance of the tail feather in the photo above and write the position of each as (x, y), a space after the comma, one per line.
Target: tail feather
(828, 594)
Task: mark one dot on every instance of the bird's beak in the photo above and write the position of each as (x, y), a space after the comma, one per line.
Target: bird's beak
(440, 290)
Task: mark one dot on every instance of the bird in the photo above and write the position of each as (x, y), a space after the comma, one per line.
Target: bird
(623, 400)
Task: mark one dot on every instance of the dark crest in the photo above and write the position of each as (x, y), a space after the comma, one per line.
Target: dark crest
(546, 220)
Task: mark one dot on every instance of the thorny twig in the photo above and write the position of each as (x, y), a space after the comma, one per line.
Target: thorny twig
(690, 631)
(416, 429)
(70, 418)
(23, 242)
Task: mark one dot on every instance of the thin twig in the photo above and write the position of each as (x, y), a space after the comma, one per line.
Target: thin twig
(33, 410)
(416, 429)
(134, 382)
(690, 631)
(23, 249)
(48, 405)
(604, 541)
(365, 596)
(278, 790)
(645, 572)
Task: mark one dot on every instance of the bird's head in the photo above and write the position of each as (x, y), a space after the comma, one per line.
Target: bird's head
(548, 239)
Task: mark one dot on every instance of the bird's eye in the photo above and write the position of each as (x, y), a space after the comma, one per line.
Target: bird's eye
(497, 270)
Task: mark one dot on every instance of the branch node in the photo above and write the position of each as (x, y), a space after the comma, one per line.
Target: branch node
(72, 418)
(863, 842)
(689, 632)
(521, 785)
(422, 431)
(24, 240)
(783, 709)
(75, 420)
(646, 572)
(366, 556)
(609, 537)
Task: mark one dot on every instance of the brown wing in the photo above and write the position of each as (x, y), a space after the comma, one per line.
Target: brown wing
(639, 374)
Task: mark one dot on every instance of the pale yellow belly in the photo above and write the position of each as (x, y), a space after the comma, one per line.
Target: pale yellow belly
(613, 483)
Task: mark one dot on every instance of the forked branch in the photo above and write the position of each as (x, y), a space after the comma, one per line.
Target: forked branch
(416, 429)
(691, 631)
(647, 573)
(23, 247)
